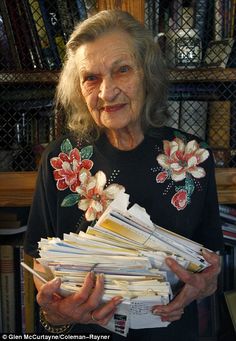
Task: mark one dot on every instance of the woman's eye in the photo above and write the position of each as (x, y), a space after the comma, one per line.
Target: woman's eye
(124, 68)
(90, 78)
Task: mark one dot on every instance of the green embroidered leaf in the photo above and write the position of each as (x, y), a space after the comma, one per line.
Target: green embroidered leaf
(189, 186)
(86, 152)
(70, 200)
(204, 145)
(180, 136)
(66, 146)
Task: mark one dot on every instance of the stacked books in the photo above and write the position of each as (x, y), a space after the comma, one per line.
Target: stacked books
(130, 251)
(228, 222)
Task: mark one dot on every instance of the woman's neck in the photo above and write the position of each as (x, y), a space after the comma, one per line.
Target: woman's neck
(125, 139)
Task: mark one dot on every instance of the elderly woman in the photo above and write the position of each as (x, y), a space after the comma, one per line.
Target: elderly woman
(113, 91)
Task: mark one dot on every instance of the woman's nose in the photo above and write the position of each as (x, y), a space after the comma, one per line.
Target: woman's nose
(108, 89)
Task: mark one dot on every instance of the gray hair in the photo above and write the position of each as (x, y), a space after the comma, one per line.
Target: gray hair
(148, 54)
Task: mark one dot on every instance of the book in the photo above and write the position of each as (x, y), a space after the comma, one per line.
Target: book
(10, 34)
(66, 19)
(228, 211)
(229, 229)
(19, 311)
(12, 229)
(201, 17)
(229, 265)
(176, 19)
(152, 11)
(204, 22)
(232, 34)
(73, 9)
(233, 133)
(91, 7)
(81, 9)
(6, 60)
(32, 32)
(229, 234)
(218, 53)
(1, 318)
(230, 297)
(29, 34)
(7, 278)
(48, 57)
(219, 124)
(29, 297)
(218, 19)
(21, 32)
(232, 18)
(53, 27)
(193, 117)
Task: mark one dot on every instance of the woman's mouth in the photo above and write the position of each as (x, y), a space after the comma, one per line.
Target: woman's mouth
(113, 108)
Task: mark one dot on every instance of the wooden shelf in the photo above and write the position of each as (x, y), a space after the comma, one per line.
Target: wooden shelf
(202, 75)
(29, 77)
(175, 75)
(226, 185)
(17, 188)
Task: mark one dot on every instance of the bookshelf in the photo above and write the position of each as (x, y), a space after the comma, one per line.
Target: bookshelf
(12, 79)
(17, 187)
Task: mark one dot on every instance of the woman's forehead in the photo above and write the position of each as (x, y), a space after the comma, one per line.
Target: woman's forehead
(109, 49)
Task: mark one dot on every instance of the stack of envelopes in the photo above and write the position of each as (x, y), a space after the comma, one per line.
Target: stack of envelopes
(130, 251)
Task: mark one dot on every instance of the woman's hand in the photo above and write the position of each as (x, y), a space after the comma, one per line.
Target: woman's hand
(82, 307)
(196, 286)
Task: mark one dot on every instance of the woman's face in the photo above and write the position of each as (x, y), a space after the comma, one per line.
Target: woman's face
(111, 81)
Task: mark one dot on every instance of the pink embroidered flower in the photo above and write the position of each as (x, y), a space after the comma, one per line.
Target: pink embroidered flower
(180, 159)
(67, 168)
(179, 199)
(161, 177)
(94, 198)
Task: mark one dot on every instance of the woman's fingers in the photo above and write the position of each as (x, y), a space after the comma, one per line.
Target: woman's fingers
(213, 259)
(196, 285)
(84, 293)
(49, 292)
(96, 295)
(169, 312)
(104, 313)
(82, 307)
(184, 275)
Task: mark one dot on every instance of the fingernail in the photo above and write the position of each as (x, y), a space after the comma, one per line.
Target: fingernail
(157, 311)
(206, 252)
(56, 281)
(92, 275)
(100, 277)
(117, 300)
(169, 261)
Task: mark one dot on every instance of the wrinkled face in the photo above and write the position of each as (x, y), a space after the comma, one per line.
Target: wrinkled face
(111, 81)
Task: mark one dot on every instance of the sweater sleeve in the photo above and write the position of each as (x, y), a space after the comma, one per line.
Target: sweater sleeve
(42, 217)
(210, 232)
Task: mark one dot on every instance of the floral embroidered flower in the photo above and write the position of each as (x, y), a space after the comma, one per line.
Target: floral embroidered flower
(180, 159)
(161, 177)
(72, 170)
(67, 167)
(94, 198)
(179, 199)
